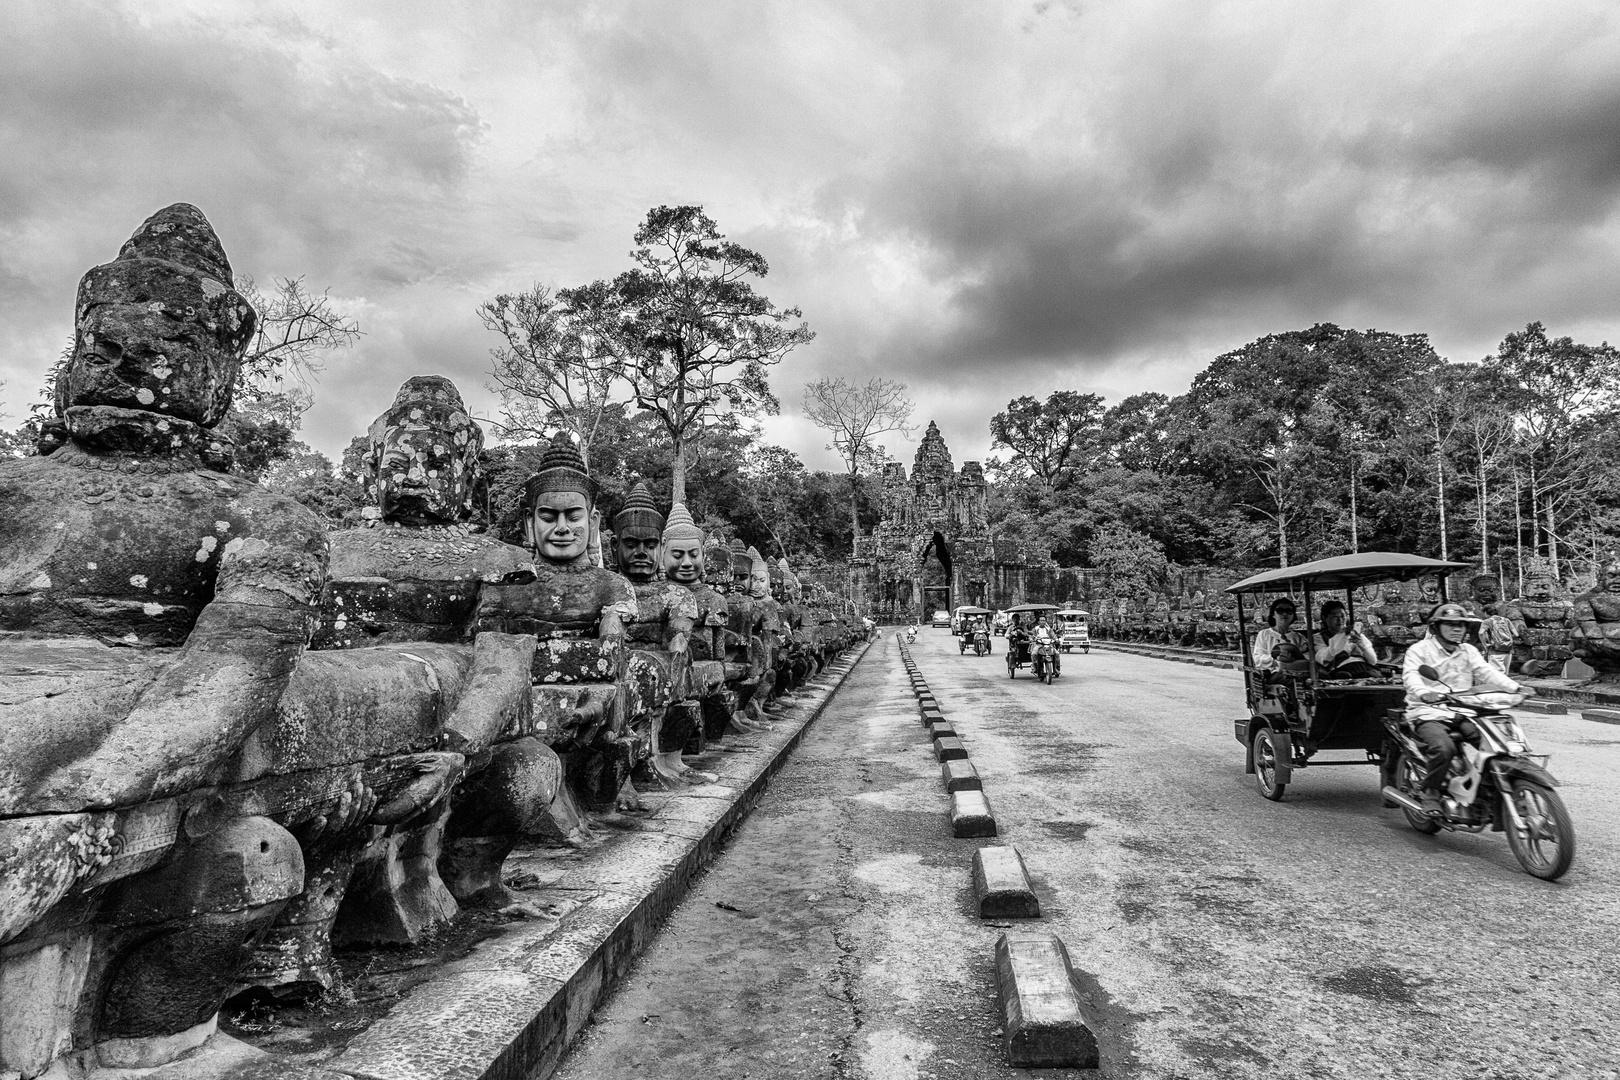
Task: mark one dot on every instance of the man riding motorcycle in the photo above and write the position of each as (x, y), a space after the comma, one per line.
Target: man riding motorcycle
(1461, 669)
(1044, 640)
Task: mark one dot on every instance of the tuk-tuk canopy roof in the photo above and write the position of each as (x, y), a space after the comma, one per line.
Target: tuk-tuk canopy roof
(1347, 572)
(1033, 607)
(1074, 611)
(973, 611)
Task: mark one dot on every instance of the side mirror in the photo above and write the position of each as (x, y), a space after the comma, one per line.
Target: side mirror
(1429, 673)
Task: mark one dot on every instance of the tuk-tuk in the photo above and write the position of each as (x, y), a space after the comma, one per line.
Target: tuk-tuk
(1074, 629)
(1297, 709)
(1021, 651)
(974, 623)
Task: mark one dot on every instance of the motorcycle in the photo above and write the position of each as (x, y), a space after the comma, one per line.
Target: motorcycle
(911, 634)
(1046, 661)
(981, 641)
(1494, 782)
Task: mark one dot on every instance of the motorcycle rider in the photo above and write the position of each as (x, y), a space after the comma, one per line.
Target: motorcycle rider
(1043, 638)
(1461, 669)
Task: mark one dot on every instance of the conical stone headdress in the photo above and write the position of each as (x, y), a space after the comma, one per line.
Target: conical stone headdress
(757, 563)
(561, 469)
(681, 526)
(638, 509)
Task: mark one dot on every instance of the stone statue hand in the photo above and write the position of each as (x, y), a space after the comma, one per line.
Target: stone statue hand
(354, 805)
(432, 777)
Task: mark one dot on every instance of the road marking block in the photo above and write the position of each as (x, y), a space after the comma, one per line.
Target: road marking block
(971, 816)
(931, 714)
(1001, 883)
(960, 775)
(949, 748)
(939, 729)
(1554, 708)
(1040, 1008)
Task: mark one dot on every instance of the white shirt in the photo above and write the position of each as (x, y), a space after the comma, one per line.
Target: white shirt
(1460, 670)
(1269, 639)
(1344, 641)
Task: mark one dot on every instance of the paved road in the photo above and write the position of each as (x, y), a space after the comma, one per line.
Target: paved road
(1227, 936)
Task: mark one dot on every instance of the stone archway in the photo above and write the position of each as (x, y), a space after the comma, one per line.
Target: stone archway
(934, 575)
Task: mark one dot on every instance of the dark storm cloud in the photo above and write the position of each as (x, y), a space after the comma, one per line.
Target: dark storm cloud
(981, 199)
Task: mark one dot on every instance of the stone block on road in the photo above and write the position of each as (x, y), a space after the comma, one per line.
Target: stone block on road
(949, 749)
(932, 715)
(971, 816)
(960, 775)
(1552, 708)
(1001, 884)
(1602, 716)
(939, 729)
(1040, 1007)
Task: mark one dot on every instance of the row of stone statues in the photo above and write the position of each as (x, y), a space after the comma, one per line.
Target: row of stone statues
(230, 740)
(1540, 630)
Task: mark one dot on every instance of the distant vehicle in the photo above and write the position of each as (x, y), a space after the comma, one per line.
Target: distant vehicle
(1000, 621)
(1074, 629)
(942, 617)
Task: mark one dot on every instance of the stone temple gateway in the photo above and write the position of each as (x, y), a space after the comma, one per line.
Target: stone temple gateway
(933, 547)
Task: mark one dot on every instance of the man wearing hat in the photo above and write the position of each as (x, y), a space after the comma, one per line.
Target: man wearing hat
(1461, 669)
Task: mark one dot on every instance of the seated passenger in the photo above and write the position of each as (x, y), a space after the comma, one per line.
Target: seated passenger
(1279, 647)
(1343, 652)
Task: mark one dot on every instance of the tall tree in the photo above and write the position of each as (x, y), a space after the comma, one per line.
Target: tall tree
(560, 363)
(694, 337)
(1049, 438)
(855, 415)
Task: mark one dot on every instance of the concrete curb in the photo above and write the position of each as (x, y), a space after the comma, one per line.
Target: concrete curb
(960, 775)
(511, 1008)
(1001, 883)
(971, 817)
(1040, 1007)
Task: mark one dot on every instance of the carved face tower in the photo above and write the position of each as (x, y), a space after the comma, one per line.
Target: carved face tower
(422, 455)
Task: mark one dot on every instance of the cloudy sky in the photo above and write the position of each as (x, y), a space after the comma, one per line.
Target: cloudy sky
(982, 199)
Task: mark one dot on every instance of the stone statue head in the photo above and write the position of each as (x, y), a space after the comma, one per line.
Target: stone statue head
(790, 583)
(159, 330)
(778, 582)
(683, 548)
(557, 504)
(1538, 579)
(421, 460)
(1429, 590)
(717, 564)
(1609, 577)
(638, 530)
(742, 566)
(759, 575)
(1486, 588)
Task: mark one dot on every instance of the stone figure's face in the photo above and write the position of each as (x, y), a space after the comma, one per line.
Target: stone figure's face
(1431, 589)
(561, 525)
(1538, 586)
(741, 574)
(422, 475)
(1392, 594)
(1611, 578)
(778, 585)
(1487, 591)
(683, 561)
(759, 584)
(160, 329)
(637, 549)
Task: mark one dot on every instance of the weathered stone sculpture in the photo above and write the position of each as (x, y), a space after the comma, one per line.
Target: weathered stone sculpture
(745, 647)
(1395, 622)
(768, 626)
(686, 562)
(659, 637)
(1597, 623)
(1543, 623)
(578, 612)
(153, 612)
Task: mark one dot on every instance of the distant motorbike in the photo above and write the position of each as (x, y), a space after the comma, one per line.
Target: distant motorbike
(911, 633)
(1494, 782)
(981, 641)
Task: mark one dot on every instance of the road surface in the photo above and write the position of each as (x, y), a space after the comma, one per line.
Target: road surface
(1221, 935)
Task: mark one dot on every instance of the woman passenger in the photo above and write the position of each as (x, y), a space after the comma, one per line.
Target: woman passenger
(1279, 647)
(1343, 652)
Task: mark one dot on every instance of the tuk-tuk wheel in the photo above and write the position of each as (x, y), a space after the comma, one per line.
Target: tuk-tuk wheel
(1270, 747)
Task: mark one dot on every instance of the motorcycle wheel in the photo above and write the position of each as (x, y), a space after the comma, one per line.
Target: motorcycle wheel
(1409, 778)
(1549, 847)
(1268, 747)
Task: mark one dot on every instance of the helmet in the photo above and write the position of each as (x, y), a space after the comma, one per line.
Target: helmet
(1445, 613)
